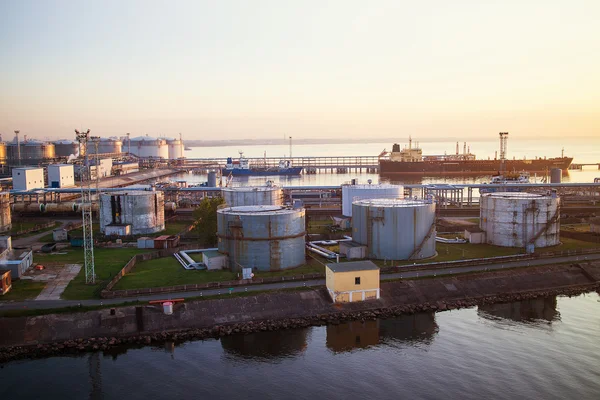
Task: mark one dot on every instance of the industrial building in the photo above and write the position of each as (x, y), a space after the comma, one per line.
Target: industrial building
(214, 260)
(352, 250)
(16, 260)
(132, 213)
(266, 238)
(353, 192)
(352, 281)
(517, 219)
(269, 195)
(61, 175)
(395, 229)
(28, 178)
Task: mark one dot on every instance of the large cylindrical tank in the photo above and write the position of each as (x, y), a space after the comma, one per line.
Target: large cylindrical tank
(5, 216)
(2, 152)
(143, 210)
(31, 150)
(556, 175)
(146, 147)
(517, 219)
(212, 179)
(353, 192)
(395, 229)
(253, 196)
(65, 148)
(267, 238)
(109, 145)
(175, 148)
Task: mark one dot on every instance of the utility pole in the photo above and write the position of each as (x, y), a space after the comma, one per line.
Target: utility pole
(290, 147)
(128, 144)
(18, 148)
(86, 210)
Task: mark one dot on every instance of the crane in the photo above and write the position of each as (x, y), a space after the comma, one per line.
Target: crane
(86, 209)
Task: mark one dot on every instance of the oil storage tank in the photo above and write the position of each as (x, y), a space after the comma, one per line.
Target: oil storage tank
(132, 213)
(65, 148)
(149, 147)
(265, 237)
(32, 151)
(395, 229)
(175, 148)
(5, 216)
(517, 219)
(353, 192)
(110, 145)
(2, 152)
(269, 195)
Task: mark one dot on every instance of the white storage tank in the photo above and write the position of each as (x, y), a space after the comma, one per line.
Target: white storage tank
(516, 219)
(109, 145)
(175, 147)
(144, 211)
(353, 192)
(269, 195)
(267, 238)
(395, 229)
(149, 147)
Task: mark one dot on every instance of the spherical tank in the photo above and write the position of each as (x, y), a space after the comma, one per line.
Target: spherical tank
(109, 145)
(146, 146)
(64, 148)
(395, 229)
(253, 196)
(267, 238)
(143, 210)
(175, 148)
(351, 193)
(515, 219)
(5, 216)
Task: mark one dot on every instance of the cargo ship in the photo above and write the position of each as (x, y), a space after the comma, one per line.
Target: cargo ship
(242, 167)
(410, 160)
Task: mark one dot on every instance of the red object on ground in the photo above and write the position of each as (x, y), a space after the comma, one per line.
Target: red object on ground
(165, 301)
(39, 267)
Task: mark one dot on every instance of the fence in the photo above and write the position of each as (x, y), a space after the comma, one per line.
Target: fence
(36, 228)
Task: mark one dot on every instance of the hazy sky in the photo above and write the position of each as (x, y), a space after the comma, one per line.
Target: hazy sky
(241, 69)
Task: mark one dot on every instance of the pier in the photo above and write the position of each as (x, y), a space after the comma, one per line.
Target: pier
(580, 166)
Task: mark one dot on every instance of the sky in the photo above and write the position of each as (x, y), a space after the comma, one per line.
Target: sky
(312, 69)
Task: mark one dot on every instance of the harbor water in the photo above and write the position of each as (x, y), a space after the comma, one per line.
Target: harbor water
(545, 348)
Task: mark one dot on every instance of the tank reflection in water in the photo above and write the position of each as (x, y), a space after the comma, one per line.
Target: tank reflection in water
(531, 311)
(414, 329)
(266, 346)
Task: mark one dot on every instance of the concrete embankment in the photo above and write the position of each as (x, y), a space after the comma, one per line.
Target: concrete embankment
(55, 334)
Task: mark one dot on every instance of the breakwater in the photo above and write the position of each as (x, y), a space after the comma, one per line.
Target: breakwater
(54, 334)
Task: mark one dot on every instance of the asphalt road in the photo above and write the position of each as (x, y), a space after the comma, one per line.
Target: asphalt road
(41, 304)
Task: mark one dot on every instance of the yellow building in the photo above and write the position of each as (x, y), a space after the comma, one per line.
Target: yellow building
(352, 281)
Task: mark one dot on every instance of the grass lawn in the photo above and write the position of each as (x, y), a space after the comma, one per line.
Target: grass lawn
(174, 227)
(23, 289)
(576, 227)
(569, 244)
(19, 226)
(167, 271)
(107, 263)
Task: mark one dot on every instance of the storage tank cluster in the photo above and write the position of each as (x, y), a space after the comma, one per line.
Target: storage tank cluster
(516, 219)
(263, 237)
(353, 192)
(143, 211)
(269, 195)
(32, 151)
(175, 148)
(110, 145)
(395, 229)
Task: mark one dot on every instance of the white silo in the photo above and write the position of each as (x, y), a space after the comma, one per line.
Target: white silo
(353, 192)
(269, 195)
(137, 212)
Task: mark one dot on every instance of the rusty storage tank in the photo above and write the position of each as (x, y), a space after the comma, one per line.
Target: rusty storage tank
(5, 216)
(395, 229)
(353, 192)
(175, 148)
(144, 211)
(269, 195)
(65, 148)
(264, 237)
(32, 151)
(517, 219)
(556, 175)
(109, 145)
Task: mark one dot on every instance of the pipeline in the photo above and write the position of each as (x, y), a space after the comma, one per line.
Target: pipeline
(41, 208)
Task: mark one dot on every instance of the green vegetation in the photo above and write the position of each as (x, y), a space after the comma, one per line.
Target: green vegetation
(107, 261)
(21, 226)
(576, 227)
(569, 244)
(23, 289)
(206, 214)
(174, 227)
(312, 267)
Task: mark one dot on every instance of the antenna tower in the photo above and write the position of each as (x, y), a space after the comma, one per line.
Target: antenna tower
(503, 140)
(86, 209)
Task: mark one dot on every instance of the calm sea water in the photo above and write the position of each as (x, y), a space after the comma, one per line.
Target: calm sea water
(540, 349)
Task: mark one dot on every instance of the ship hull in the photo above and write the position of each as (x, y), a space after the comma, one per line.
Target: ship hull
(258, 172)
(471, 167)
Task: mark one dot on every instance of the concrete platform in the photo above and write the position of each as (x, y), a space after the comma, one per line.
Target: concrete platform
(54, 288)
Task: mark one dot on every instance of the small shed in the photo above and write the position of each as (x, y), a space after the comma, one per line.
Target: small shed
(475, 235)
(595, 225)
(60, 235)
(166, 242)
(352, 250)
(214, 260)
(117, 230)
(17, 261)
(352, 281)
(5, 282)
(145, 243)
(76, 242)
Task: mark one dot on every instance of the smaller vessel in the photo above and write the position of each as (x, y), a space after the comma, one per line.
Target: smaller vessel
(242, 166)
(187, 148)
(510, 182)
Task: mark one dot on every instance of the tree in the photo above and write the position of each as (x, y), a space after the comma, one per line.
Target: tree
(206, 220)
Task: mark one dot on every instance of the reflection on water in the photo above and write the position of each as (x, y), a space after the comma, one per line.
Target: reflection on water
(266, 346)
(406, 329)
(526, 311)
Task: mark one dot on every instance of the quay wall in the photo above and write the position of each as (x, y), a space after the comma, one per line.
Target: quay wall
(216, 317)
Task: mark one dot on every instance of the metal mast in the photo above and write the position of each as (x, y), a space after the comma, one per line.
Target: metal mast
(18, 147)
(86, 210)
(290, 147)
(503, 139)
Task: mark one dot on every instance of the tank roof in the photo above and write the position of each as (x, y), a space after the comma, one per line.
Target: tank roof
(259, 210)
(251, 188)
(374, 186)
(353, 266)
(132, 193)
(65, 141)
(516, 195)
(392, 203)
(145, 139)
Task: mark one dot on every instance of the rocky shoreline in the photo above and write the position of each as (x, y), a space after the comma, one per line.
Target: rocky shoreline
(79, 346)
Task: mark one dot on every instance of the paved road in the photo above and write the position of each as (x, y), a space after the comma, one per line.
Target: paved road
(41, 304)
